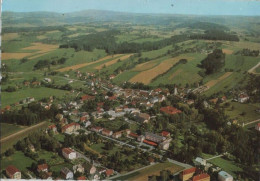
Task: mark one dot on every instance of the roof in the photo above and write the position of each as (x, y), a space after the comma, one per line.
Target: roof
(165, 133)
(170, 110)
(52, 126)
(133, 135)
(82, 178)
(200, 177)
(67, 150)
(188, 171)
(87, 97)
(150, 143)
(65, 170)
(42, 167)
(109, 172)
(224, 174)
(69, 125)
(106, 131)
(12, 169)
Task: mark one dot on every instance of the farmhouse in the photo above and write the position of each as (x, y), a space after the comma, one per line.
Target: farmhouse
(70, 128)
(66, 173)
(69, 153)
(170, 110)
(187, 174)
(12, 172)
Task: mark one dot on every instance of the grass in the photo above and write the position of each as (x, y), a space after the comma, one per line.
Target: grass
(18, 159)
(125, 76)
(60, 137)
(8, 129)
(38, 93)
(51, 158)
(249, 109)
(58, 167)
(152, 170)
(228, 166)
(113, 125)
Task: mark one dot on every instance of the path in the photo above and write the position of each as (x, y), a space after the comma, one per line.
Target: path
(258, 120)
(215, 157)
(251, 71)
(22, 131)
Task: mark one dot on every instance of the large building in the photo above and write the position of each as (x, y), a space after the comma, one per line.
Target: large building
(70, 128)
(187, 174)
(154, 137)
(13, 173)
(170, 110)
(69, 153)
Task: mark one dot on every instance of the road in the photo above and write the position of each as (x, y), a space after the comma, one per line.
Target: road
(22, 131)
(258, 120)
(215, 157)
(251, 71)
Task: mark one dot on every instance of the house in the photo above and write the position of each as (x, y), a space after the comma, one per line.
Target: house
(243, 98)
(13, 173)
(96, 129)
(109, 172)
(82, 178)
(66, 173)
(47, 80)
(90, 169)
(87, 98)
(107, 132)
(112, 77)
(53, 128)
(142, 117)
(36, 83)
(151, 160)
(154, 137)
(141, 138)
(224, 176)
(117, 134)
(257, 126)
(200, 161)
(70, 128)
(165, 134)
(187, 174)
(201, 177)
(78, 168)
(165, 144)
(69, 153)
(46, 175)
(87, 123)
(42, 168)
(170, 110)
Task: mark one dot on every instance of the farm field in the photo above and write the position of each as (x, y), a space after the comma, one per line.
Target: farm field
(147, 76)
(38, 93)
(121, 58)
(142, 175)
(214, 82)
(8, 129)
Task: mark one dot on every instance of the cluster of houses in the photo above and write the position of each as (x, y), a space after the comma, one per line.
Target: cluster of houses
(195, 174)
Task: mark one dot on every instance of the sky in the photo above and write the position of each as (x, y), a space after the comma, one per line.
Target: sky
(199, 7)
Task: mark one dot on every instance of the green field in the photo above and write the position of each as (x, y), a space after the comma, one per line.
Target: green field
(152, 170)
(38, 93)
(8, 129)
(228, 166)
(18, 159)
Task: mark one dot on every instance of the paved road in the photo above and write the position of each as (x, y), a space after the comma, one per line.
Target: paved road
(22, 131)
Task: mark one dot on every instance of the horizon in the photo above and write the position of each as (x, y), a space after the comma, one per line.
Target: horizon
(173, 7)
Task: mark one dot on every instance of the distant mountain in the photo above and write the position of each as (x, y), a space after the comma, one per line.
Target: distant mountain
(10, 19)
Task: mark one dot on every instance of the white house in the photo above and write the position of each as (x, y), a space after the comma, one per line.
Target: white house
(200, 161)
(224, 176)
(47, 80)
(69, 153)
(66, 173)
(243, 98)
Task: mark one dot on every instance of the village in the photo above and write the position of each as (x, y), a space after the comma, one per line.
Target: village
(125, 118)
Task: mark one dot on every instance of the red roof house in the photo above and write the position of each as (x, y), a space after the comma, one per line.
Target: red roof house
(201, 177)
(12, 172)
(109, 172)
(166, 133)
(170, 110)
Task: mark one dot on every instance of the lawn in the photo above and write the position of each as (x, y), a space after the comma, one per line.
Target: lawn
(50, 157)
(152, 170)
(249, 109)
(8, 129)
(18, 159)
(37, 93)
(228, 166)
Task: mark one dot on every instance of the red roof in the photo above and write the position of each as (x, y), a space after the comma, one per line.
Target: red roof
(188, 171)
(200, 177)
(170, 110)
(83, 119)
(106, 131)
(150, 143)
(52, 126)
(112, 98)
(82, 178)
(87, 97)
(69, 125)
(42, 167)
(165, 133)
(67, 150)
(109, 172)
(133, 135)
(12, 169)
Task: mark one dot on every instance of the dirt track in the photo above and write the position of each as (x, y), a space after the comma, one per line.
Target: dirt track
(252, 70)
(22, 131)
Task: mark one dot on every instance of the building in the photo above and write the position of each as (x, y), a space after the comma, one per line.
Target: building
(96, 129)
(109, 172)
(201, 177)
(243, 98)
(69, 153)
(13, 173)
(42, 168)
(154, 137)
(200, 161)
(142, 117)
(66, 173)
(187, 174)
(170, 110)
(224, 176)
(165, 134)
(53, 128)
(117, 134)
(165, 144)
(107, 132)
(47, 80)
(82, 178)
(78, 168)
(70, 128)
